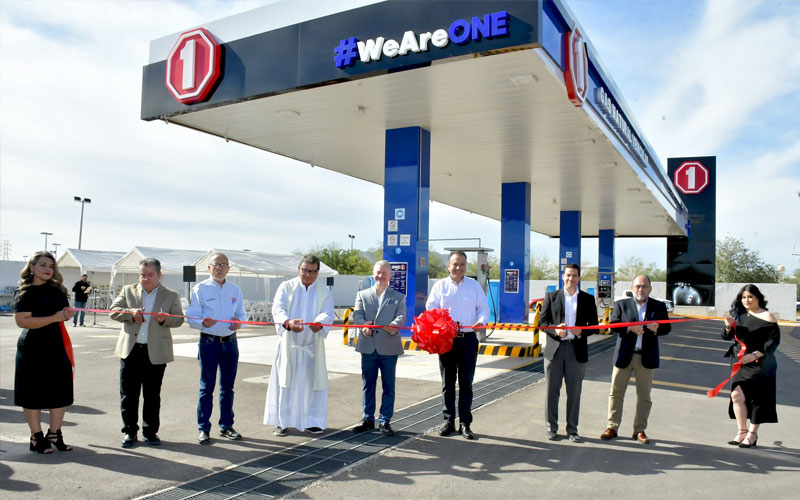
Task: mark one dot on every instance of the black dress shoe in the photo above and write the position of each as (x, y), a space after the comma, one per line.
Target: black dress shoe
(152, 439)
(203, 437)
(129, 440)
(365, 425)
(447, 428)
(386, 429)
(466, 431)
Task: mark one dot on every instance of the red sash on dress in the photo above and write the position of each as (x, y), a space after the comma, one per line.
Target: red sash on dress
(735, 368)
(68, 346)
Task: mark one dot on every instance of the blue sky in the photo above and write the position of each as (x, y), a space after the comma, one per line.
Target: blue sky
(701, 78)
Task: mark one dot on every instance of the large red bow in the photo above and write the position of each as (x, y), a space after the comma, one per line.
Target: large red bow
(434, 331)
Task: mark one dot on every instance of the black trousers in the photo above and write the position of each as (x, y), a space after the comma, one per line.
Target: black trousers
(138, 375)
(459, 364)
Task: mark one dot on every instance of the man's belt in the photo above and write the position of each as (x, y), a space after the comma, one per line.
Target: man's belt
(218, 338)
(464, 333)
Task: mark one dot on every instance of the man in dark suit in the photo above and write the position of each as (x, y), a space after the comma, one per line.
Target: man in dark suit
(379, 347)
(566, 353)
(636, 353)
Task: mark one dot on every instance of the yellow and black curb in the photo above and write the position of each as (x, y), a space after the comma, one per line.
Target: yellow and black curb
(492, 350)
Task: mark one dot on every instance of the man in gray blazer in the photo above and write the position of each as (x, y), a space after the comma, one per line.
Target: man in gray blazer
(379, 347)
(144, 347)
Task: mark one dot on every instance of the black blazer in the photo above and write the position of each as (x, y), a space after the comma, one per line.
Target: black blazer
(553, 314)
(625, 310)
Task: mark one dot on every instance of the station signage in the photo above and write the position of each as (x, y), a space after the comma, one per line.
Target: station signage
(193, 66)
(692, 177)
(616, 119)
(576, 72)
(460, 32)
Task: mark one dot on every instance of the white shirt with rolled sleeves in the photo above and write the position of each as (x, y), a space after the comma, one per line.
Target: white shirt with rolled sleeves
(466, 301)
(210, 300)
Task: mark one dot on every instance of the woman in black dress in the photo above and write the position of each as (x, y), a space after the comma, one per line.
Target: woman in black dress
(755, 330)
(43, 376)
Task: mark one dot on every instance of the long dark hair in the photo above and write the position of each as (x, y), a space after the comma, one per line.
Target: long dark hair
(27, 273)
(737, 309)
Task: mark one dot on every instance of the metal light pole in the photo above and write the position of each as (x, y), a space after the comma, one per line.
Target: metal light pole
(82, 201)
(46, 234)
(55, 249)
(352, 238)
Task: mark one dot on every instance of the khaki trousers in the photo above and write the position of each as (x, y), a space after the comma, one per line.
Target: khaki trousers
(619, 383)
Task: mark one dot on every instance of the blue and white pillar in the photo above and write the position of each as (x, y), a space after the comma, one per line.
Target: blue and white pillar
(605, 265)
(406, 200)
(569, 242)
(515, 252)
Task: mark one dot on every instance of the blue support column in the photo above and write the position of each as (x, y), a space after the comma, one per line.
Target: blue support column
(569, 242)
(605, 267)
(515, 252)
(406, 200)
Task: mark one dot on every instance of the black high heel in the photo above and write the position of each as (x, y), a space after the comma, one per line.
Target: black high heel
(750, 444)
(58, 440)
(39, 444)
(734, 442)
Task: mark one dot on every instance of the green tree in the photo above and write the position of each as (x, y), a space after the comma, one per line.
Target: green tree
(343, 261)
(588, 271)
(437, 268)
(634, 266)
(542, 268)
(738, 264)
(794, 278)
(494, 268)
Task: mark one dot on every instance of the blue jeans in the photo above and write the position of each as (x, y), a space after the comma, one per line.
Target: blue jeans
(370, 364)
(214, 355)
(78, 305)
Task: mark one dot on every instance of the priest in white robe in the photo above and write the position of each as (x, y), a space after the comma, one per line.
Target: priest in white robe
(298, 385)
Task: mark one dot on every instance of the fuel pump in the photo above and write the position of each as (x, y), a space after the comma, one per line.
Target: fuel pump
(605, 288)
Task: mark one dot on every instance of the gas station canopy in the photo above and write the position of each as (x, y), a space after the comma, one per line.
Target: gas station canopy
(495, 99)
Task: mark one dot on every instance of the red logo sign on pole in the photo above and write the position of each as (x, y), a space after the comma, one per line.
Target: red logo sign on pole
(193, 66)
(691, 177)
(576, 72)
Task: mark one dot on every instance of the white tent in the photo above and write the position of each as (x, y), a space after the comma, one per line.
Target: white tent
(260, 264)
(172, 262)
(268, 269)
(98, 264)
(86, 261)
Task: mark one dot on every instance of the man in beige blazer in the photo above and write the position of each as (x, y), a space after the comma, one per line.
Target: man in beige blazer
(144, 347)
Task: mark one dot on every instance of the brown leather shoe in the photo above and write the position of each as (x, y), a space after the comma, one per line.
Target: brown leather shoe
(608, 434)
(641, 437)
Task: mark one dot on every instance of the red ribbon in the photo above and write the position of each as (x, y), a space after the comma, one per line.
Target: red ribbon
(434, 331)
(735, 368)
(68, 346)
(490, 325)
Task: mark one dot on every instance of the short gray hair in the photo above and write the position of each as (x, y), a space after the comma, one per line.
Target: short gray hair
(383, 263)
(151, 261)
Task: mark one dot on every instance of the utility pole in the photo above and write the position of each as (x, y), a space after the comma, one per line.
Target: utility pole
(82, 201)
(46, 234)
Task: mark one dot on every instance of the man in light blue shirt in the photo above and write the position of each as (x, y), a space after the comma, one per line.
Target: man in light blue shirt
(213, 300)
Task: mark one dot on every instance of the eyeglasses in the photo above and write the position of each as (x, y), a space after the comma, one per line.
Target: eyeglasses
(222, 265)
(309, 271)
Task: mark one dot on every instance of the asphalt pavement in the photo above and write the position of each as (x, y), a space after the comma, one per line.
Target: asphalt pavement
(509, 459)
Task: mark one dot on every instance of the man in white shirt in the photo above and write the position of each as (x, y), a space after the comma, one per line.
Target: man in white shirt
(297, 395)
(566, 351)
(466, 301)
(217, 299)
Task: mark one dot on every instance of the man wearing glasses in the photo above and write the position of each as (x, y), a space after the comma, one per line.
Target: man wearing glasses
(636, 353)
(213, 300)
(298, 384)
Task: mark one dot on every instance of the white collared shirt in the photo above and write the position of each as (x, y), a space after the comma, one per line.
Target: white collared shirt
(148, 301)
(215, 301)
(570, 311)
(641, 310)
(466, 301)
